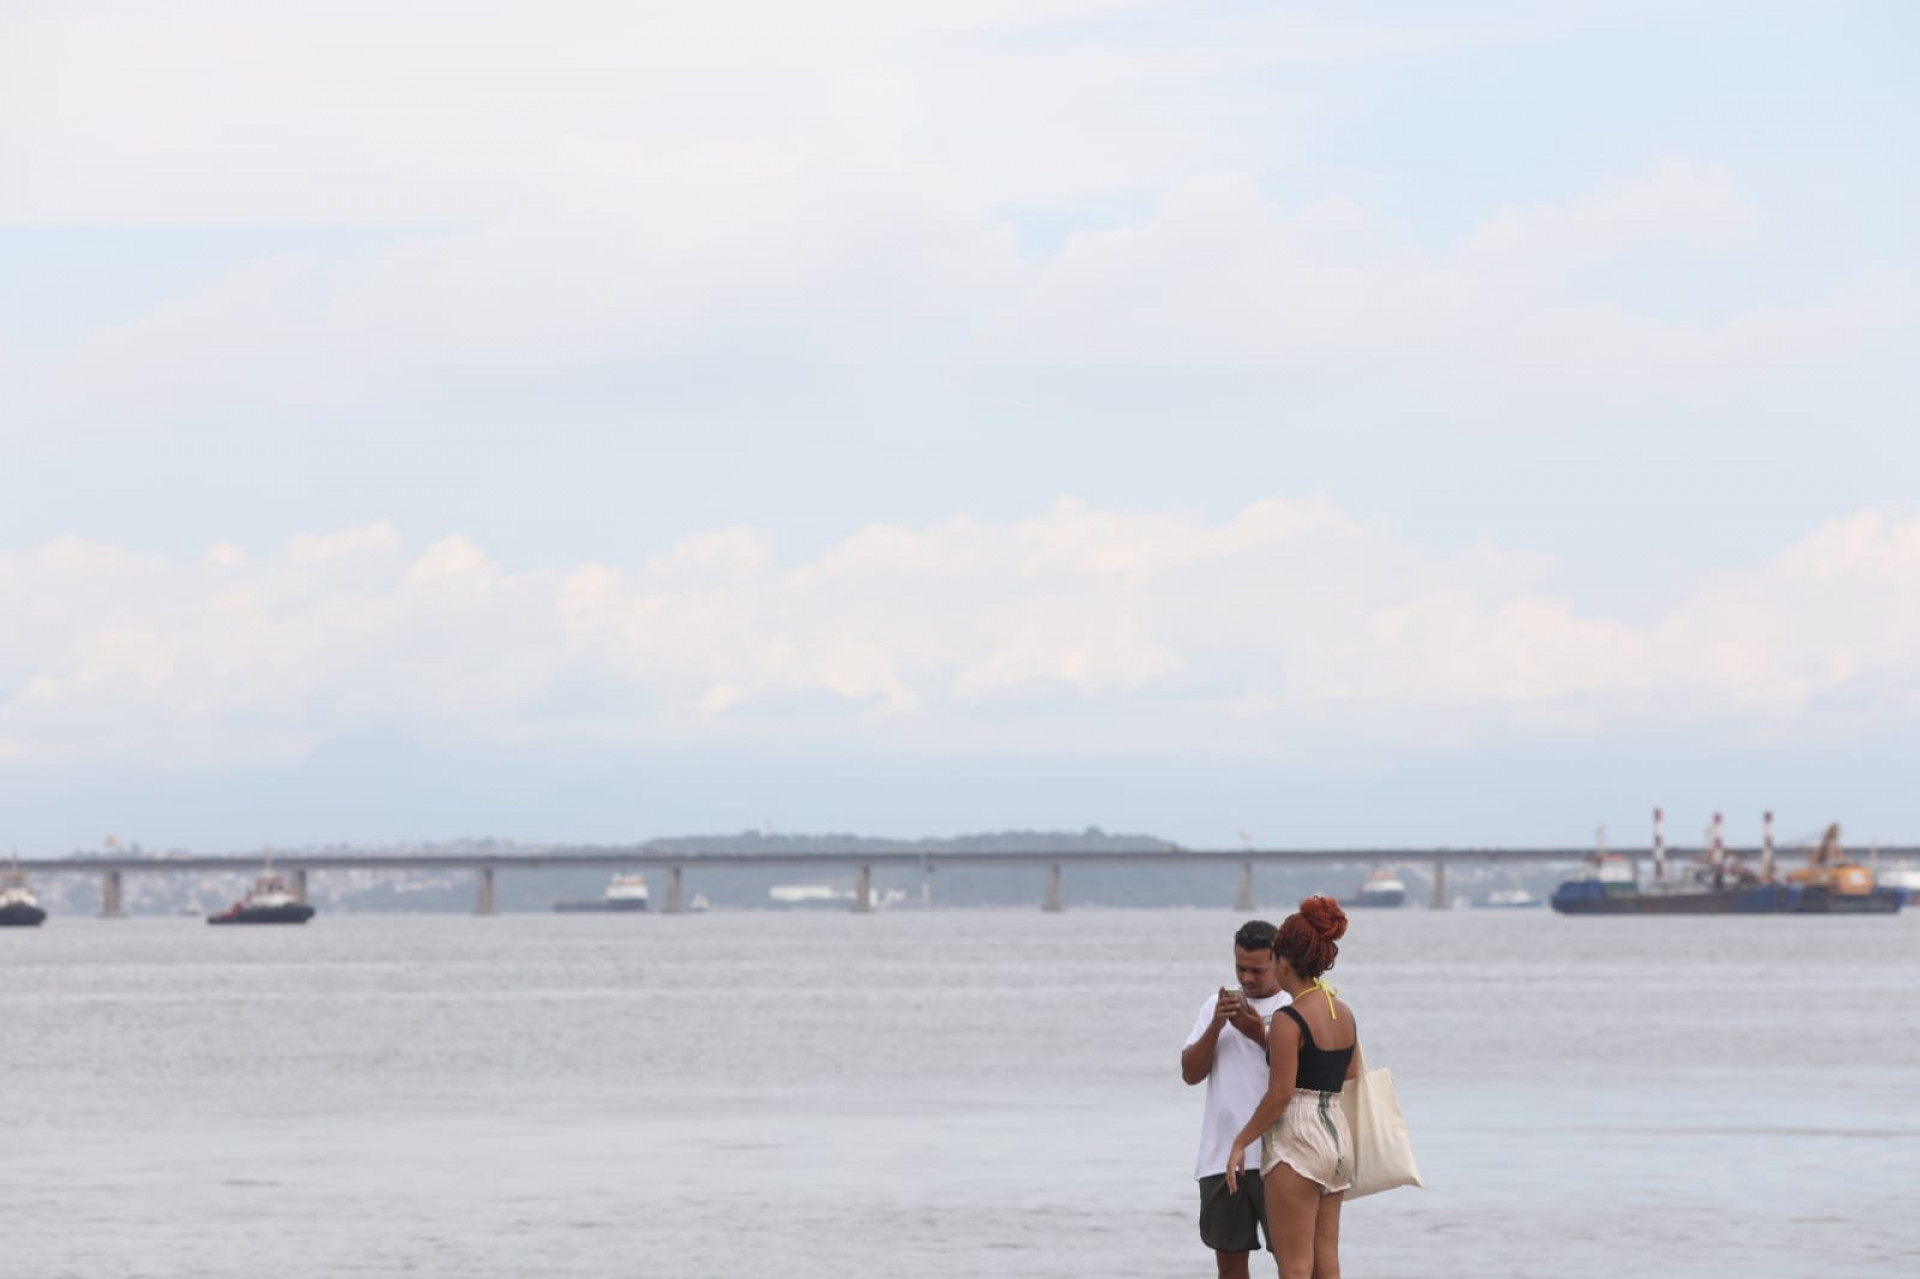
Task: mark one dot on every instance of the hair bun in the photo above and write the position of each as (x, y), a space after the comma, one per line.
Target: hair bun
(1324, 916)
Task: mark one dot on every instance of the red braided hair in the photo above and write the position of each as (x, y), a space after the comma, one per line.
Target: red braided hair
(1306, 940)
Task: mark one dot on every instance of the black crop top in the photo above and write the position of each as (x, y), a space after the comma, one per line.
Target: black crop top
(1320, 1069)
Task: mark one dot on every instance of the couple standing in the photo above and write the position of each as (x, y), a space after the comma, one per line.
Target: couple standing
(1274, 1054)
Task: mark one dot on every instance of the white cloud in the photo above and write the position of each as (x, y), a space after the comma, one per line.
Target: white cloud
(832, 192)
(228, 113)
(319, 548)
(680, 267)
(1079, 628)
(231, 113)
(454, 565)
(1222, 277)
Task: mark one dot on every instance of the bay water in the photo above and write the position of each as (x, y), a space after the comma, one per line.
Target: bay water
(934, 1093)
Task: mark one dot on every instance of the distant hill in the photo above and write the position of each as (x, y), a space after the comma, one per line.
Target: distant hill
(1090, 840)
(739, 888)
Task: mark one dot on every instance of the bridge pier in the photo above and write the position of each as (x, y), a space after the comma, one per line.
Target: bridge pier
(112, 905)
(676, 903)
(863, 890)
(1051, 902)
(1440, 900)
(483, 891)
(297, 884)
(1244, 899)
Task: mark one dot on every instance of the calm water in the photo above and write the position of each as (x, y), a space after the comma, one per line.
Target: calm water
(934, 1094)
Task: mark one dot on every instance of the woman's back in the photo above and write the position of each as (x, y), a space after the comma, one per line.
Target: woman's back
(1327, 1039)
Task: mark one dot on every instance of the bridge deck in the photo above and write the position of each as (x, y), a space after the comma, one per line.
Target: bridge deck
(641, 857)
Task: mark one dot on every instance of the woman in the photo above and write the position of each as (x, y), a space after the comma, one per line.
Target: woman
(1307, 1150)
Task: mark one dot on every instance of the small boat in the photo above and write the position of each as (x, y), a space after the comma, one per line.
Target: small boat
(270, 902)
(1508, 899)
(19, 908)
(808, 894)
(627, 894)
(1382, 888)
(1902, 878)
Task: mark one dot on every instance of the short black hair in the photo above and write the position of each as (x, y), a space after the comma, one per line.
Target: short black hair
(1255, 934)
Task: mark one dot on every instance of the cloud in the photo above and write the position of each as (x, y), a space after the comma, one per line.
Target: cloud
(664, 271)
(625, 196)
(425, 113)
(309, 548)
(1290, 626)
(1222, 278)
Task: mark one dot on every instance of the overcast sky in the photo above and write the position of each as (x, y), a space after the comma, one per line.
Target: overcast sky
(1336, 423)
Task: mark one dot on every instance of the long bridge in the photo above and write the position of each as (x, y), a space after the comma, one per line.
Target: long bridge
(486, 865)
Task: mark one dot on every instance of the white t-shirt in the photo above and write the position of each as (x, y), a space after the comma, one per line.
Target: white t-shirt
(1234, 1087)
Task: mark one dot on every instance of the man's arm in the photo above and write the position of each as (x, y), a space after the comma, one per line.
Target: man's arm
(1196, 1059)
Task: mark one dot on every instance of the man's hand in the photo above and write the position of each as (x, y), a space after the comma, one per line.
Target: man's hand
(1226, 1005)
(1247, 1021)
(1230, 1008)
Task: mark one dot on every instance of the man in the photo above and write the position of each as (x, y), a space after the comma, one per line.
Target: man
(1228, 1049)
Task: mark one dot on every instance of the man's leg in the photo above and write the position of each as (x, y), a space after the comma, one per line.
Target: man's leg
(1233, 1265)
(1230, 1223)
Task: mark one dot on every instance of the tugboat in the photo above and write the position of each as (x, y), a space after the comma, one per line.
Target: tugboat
(1718, 884)
(19, 908)
(625, 895)
(1382, 888)
(270, 902)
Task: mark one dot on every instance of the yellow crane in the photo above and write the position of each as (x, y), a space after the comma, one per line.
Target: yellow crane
(1830, 868)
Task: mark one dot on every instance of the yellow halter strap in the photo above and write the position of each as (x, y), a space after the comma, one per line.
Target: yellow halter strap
(1321, 986)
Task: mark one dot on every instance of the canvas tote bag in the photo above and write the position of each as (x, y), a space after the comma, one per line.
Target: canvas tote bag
(1382, 1152)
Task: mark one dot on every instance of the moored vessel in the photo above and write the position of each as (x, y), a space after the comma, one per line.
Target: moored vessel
(19, 908)
(269, 902)
(1717, 883)
(1382, 888)
(625, 895)
(1901, 876)
(1508, 899)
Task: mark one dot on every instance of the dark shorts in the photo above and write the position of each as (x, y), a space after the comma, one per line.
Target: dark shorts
(1232, 1222)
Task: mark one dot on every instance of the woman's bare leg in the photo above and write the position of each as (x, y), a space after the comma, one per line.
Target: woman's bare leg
(1326, 1237)
(1293, 1207)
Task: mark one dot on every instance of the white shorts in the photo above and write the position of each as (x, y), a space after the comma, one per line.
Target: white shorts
(1311, 1137)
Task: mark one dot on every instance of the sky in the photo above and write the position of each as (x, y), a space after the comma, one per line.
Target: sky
(1304, 424)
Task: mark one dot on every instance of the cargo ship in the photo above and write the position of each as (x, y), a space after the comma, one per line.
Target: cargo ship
(1719, 884)
(625, 895)
(270, 902)
(19, 908)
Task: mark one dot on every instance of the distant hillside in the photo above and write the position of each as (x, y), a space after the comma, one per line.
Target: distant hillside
(739, 888)
(1090, 840)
